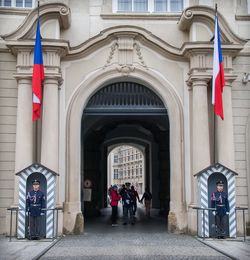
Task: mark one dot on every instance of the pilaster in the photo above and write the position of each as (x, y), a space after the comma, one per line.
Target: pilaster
(224, 128)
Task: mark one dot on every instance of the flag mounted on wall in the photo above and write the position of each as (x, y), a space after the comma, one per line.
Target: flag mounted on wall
(38, 75)
(218, 73)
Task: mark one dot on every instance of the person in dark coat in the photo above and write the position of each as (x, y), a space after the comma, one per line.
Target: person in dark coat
(35, 202)
(219, 201)
(147, 197)
(127, 201)
(135, 198)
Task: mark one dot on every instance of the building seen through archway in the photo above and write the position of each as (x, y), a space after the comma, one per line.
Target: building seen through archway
(126, 164)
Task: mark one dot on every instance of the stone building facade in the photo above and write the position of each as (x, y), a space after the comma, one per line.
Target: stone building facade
(96, 50)
(127, 165)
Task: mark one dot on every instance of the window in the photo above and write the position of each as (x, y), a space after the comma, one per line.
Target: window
(115, 174)
(24, 3)
(161, 5)
(125, 5)
(6, 3)
(133, 5)
(151, 6)
(176, 5)
(18, 3)
(116, 158)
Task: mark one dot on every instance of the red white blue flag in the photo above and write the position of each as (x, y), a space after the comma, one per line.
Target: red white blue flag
(38, 75)
(218, 73)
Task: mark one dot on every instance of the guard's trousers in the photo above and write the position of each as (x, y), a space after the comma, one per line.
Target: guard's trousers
(221, 224)
(35, 226)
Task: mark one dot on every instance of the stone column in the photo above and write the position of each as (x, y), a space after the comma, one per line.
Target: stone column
(24, 130)
(50, 125)
(201, 142)
(200, 139)
(224, 130)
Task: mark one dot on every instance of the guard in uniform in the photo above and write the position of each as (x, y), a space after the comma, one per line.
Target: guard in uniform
(219, 201)
(35, 202)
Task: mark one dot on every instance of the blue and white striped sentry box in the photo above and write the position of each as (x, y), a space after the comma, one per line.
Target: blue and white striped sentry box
(204, 202)
(50, 198)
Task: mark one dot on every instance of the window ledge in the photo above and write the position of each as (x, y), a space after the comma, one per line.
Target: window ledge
(144, 16)
(14, 10)
(242, 17)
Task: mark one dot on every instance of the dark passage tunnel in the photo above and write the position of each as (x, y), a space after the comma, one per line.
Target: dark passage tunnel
(125, 113)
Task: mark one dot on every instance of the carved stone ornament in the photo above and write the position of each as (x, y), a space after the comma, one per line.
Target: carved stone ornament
(139, 54)
(125, 69)
(111, 54)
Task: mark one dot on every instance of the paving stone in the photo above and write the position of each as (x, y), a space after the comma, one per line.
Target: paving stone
(147, 239)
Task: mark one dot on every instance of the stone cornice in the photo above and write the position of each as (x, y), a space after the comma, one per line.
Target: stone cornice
(60, 46)
(205, 77)
(206, 15)
(242, 17)
(47, 11)
(147, 39)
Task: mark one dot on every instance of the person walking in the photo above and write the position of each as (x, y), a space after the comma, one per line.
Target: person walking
(127, 200)
(115, 197)
(219, 201)
(135, 198)
(147, 197)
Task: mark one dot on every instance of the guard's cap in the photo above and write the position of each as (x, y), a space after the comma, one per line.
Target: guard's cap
(127, 184)
(35, 182)
(114, 187)
(219, 182)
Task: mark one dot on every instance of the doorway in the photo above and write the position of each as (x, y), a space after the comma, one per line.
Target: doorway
(125, 113)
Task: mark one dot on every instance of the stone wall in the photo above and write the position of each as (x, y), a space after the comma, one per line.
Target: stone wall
(8, 105)
(241, 114)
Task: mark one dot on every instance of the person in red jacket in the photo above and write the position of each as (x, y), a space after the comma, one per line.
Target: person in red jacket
(115, 197)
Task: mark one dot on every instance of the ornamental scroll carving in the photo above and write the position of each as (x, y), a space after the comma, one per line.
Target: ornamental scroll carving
(127, 49)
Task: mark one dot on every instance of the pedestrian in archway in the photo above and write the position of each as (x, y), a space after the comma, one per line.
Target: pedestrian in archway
(115, 197)
(121, 192)
(135, 198)
(147, 197)
(127, 200)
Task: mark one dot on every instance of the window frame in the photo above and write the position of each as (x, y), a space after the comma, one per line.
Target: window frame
(13, 4)
(151, 7)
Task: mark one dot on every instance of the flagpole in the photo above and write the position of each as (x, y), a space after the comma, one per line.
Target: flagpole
(214, 157)
(36, 123)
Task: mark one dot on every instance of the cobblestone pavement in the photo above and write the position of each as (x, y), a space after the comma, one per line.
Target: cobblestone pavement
(147, 239)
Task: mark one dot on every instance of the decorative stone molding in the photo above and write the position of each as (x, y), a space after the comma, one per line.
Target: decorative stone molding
(52, 55)
(126, 47)
(198, 79)
(147, 39)
(111, 54)
(139, 54)
(206, 15)
(125, 69)
(47, 11)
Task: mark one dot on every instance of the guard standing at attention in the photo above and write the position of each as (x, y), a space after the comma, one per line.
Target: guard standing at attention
(35, 202)
(219, 201)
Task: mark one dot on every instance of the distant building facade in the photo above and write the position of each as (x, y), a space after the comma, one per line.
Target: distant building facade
(128, 166)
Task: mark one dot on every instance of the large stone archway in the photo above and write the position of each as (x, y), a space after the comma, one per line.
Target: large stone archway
(79, 100)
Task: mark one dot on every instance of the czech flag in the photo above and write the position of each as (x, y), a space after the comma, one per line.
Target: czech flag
(38, 75)
(218, 73)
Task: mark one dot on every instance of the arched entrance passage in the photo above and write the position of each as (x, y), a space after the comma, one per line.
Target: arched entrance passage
(78, 102)
(125, 112)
